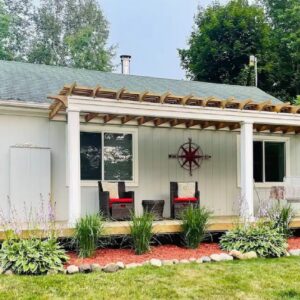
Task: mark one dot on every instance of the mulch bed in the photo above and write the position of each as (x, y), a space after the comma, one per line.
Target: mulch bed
(107, 255)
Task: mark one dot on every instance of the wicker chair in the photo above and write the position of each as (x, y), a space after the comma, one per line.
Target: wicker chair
(178, 204)
(116, 208)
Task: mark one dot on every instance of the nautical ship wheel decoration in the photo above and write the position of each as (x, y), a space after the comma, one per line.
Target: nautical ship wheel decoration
(190, 156)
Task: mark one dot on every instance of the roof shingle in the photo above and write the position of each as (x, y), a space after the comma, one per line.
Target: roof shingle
(33, 83)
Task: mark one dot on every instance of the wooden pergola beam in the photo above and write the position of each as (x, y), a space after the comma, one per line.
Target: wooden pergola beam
(260, 128)
(220, 125)
(127, 119)
(234, 126)
(164, 96)
(192, 123)
(95, 90)
(242, 104)
(262, 105)
(90, 116)
(206, 124)
(275, 128)
(160, 121)
(176, 122)
(120, 92)
(108, 118)
(143, 120)
(288, 129)
(55, 110)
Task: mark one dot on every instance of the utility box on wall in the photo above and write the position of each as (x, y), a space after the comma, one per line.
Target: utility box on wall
(30, 182)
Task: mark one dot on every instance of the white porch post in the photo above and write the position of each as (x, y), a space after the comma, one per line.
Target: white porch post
(246, 147)
(74, 165)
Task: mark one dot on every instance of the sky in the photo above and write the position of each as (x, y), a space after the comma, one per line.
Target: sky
(151, 31)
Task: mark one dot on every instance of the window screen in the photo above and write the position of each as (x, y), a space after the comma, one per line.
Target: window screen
(117, 155)
(268, 161)
(274, 162)
(258, 161)
(90, 156)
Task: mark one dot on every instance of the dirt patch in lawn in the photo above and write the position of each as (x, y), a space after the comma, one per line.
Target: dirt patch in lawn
(108, 255)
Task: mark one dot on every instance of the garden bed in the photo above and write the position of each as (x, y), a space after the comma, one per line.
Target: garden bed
(163, 252)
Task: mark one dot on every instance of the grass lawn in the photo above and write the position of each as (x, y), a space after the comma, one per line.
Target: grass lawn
(256, 279)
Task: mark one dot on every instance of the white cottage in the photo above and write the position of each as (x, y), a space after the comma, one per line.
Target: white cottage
(62, 130)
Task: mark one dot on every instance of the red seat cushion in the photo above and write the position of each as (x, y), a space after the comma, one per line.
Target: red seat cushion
(189, 199)
(120, 200)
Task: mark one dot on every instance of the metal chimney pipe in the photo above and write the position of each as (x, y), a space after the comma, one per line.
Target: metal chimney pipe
(125, 64)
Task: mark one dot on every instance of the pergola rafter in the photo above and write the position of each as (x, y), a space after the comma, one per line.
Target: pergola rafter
(60, 104)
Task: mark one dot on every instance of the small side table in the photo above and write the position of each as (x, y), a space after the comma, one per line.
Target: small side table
(156, 207)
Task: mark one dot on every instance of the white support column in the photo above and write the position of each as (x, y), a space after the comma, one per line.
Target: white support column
(74, 165)
(247, 209)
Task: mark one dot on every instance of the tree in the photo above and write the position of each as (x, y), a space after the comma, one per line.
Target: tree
(20, 27)
(4, 33)
(284, 17)
(71, 33)
(223, 39)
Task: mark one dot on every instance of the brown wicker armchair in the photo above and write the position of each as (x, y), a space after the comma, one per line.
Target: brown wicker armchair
(117, 208)
(179, 203)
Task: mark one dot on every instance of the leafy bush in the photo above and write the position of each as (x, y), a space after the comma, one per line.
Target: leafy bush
(32, 256)
(194, 224)
(262, 238)
(87, 231)
(141, 232)
(281, 216)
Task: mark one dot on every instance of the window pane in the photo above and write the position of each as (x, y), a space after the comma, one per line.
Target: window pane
(258, 161)
(90, 155)
(118, 163)
(274, 161)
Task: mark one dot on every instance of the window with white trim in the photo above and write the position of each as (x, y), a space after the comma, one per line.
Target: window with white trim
(107, 155)
(269, 161)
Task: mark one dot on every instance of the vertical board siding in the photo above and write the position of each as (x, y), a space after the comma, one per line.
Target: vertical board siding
(217, 176)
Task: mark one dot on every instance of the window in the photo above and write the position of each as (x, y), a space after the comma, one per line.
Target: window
(107, 156)
(269, 161)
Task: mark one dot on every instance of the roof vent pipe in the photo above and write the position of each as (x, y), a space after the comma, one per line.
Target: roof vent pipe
(125, 64)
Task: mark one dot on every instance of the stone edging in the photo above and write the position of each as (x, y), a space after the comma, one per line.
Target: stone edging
(114, 267)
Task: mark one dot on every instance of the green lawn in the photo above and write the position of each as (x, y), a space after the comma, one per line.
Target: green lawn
(256, 279)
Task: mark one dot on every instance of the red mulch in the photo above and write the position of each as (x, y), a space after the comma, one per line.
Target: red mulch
(107, 255)
(294, 243)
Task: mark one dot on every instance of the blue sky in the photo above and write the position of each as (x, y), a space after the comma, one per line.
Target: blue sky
(151, 31)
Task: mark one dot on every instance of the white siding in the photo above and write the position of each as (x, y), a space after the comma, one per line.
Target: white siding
(217, 176)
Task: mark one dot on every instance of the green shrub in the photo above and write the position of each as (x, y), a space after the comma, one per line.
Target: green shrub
(262, 238)
(33, 256)
(194, 225)
(141, 232)
(87, 231)
(281, 216)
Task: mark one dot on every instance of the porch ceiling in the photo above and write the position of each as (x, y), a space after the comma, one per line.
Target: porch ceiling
(60, 104)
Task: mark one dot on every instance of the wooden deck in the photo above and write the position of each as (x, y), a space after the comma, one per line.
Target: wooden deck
(217, 224)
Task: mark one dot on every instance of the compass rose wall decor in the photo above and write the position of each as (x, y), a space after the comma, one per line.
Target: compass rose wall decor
(190, 156)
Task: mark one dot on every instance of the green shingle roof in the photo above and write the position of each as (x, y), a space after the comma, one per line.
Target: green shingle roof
(33, 83)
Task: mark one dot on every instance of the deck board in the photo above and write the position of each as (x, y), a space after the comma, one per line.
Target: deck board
(115, 228)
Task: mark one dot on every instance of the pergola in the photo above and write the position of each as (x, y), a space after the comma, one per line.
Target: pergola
(167, 109)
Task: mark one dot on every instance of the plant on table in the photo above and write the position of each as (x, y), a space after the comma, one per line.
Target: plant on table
(194, 225)
(87, 231)
(32, 256)
(141, 232)
(263, 238)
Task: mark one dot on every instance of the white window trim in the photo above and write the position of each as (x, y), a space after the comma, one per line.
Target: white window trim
(267, 138)
(114, 129)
